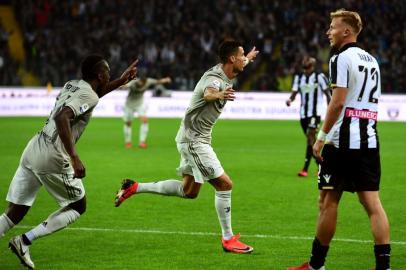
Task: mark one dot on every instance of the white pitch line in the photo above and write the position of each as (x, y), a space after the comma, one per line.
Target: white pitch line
(211, 234)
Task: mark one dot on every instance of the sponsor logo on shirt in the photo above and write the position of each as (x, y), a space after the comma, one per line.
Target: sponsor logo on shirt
(84, 108)
(365, 114)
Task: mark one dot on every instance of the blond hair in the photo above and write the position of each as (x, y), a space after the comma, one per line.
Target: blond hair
(351, 18)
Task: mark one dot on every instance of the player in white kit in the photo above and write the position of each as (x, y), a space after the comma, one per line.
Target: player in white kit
(50, 158)
(135, 104)
(198, 161)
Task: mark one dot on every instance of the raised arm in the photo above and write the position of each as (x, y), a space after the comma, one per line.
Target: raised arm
(127, 75)
(164, 80)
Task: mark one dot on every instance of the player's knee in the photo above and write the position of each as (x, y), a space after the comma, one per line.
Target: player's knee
(228, 185)
(79, 206)
(191, 194)
(16, 212)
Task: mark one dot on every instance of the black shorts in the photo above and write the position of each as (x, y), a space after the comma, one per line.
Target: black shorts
(349, 170)
(310, 122)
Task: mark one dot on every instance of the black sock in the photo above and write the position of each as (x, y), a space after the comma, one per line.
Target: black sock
(309, 154)
(26, 240)
(319, 254)
(382, 256)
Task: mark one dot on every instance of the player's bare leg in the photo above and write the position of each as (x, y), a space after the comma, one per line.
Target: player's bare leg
(379, 227)
(144, 127)
(128, 134)
(310, 139)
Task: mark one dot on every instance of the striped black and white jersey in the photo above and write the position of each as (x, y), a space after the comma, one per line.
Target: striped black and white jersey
(311, 89)
(358, 71)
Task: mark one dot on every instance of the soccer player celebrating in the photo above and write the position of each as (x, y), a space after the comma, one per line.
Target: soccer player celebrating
(198, 162)
(50, 158)
(135, 103)
(350, 157)
(311, 85)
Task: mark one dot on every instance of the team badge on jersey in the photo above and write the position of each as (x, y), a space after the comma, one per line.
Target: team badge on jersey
(216, 84)
(84, 108)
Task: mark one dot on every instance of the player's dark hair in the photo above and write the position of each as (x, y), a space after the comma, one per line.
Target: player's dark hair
(228, 48)
(90, 66)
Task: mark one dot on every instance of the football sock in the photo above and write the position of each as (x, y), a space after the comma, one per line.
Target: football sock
(319, 254)
(309, 154)
(382, 257)
(143, 132)
(166, 187)
(222, 202)
(5, 224)
(55, 222)
(127, 133)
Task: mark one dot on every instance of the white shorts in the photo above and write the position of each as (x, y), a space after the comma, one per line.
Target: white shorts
(26, 184)
(129, 110)
(198, 159)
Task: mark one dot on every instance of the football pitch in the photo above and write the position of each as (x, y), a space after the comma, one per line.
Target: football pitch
(274, 210)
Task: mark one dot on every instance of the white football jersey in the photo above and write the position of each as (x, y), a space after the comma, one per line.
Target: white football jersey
(358, 71)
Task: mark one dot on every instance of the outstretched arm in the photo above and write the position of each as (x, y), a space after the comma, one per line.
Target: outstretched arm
(251, 56)
(164, 80)
(127, 75)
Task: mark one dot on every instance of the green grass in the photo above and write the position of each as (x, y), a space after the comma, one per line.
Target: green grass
(262, 158)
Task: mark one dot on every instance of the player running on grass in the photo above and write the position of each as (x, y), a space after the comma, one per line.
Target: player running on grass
(50, 159)
(199, 162)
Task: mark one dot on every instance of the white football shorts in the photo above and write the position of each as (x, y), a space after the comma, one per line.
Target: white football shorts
(26, 184)
(199, 159)
(134, 107)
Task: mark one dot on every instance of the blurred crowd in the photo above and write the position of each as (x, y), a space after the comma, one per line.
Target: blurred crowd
(179, 38)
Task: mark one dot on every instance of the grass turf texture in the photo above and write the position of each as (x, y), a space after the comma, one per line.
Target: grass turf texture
(262, 158)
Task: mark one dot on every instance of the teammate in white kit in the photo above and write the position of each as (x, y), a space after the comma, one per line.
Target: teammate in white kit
(199, 162)
(50, 158)
(135, 104)
(349, 140)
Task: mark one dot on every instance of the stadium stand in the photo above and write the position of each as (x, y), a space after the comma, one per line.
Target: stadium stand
(177, 38)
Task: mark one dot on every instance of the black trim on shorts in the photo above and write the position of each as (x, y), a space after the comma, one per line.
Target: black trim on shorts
(198, 162)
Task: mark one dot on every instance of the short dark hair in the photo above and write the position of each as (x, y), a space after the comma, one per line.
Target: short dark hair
(228, 48)
(90, 66)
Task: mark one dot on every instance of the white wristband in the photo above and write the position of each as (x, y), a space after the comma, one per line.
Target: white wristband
(246, 61)
(321, 136)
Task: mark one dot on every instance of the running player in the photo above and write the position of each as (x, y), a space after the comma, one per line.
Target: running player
(50, 159)
(350, 157)
(198, 162)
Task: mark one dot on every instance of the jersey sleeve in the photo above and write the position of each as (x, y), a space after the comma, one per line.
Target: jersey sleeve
(82, 103)
(339, 71)
(151, 82)
(323, 81)
(212, 82)
(129, 84)
(295, 84)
